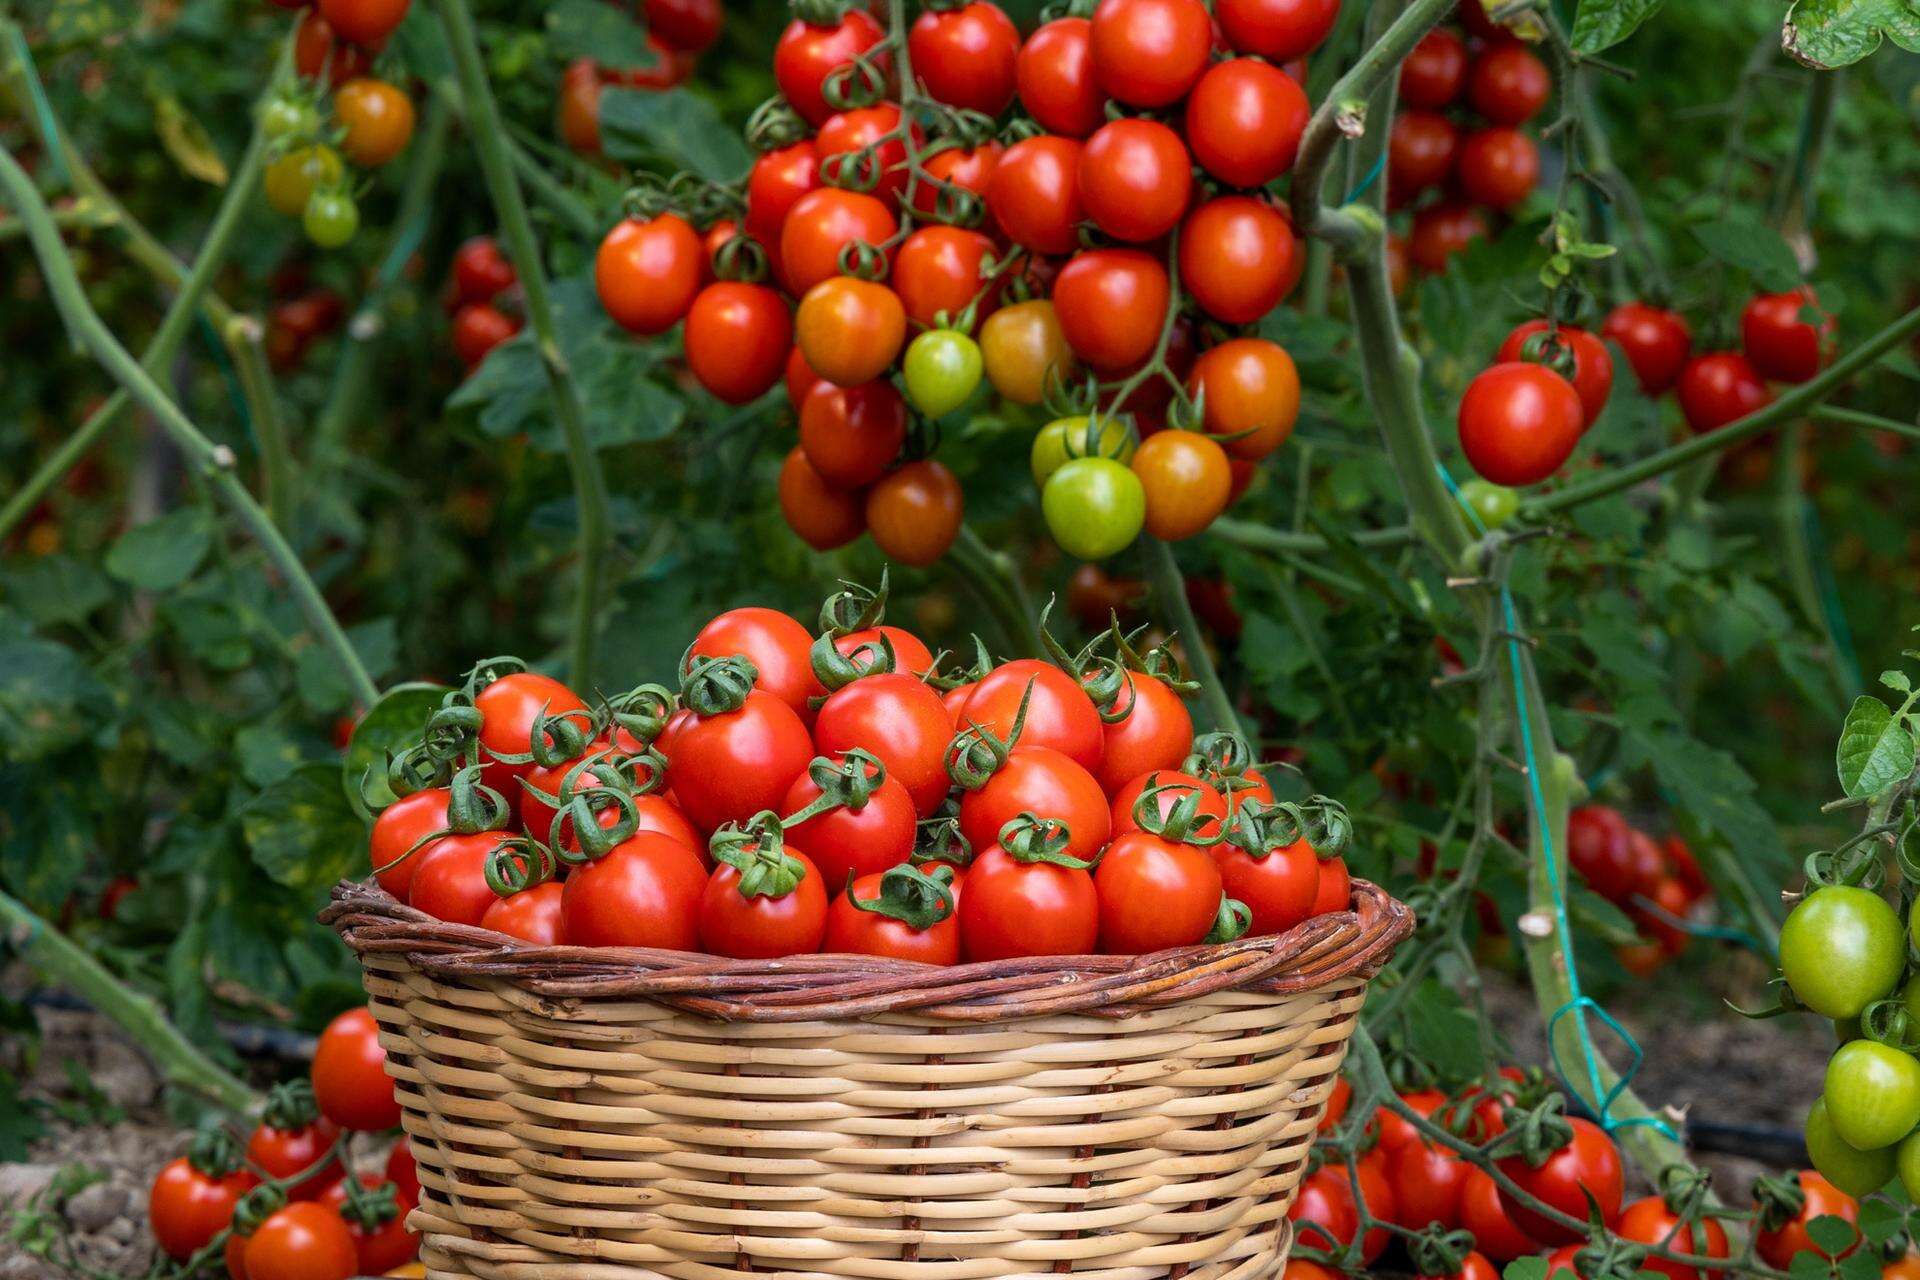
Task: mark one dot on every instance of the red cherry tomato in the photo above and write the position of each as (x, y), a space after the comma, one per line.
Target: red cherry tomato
(763, 926)
(400, 827)
(303, 1241)
(283, 1154)
(962, 168)
(730, 766)
(1720, 388)
(1592, 366)
(318, 51)
(1649, 1221)
(1237, 258)
(1420, 152)
(1135, 178)
(1442, 231)
(1277, 30)
(187, 1208)
(1336, 887)
(508, 707)
(1436, 70)
(645, 892)
(737, 339)
(902, 722)
(687, 25)
(775, 184)
(1034, 194)
(1777, 1246)
(910, 652)
(533, 915)
(1484, 1213)
(870, 933)
(481, 272)
(1507, 84)
(965, 56)
(819, 225)
(938, 272)
(844, 841)
(1252, 392)
(1279, 887)
(450, 882)
(1149, 53)
(1656, 342)
(852, 435)
(381, 1248)
(478, 328)
(1323, 1211)
(1154, 894)
(1055, 76)
(822, 516)
(1044, 782)
(1154, 731)
(1396, 1131)
(1244, 121)
(1112, 304)
(1059, 712)
(1519, 422)
(778, 647)
(350, 1080)
(1780, 344)
(1011, 908)
(1172, 787)
(806, 54)
(1427, 1180)
(647, 272)
(365, 22)
(1498, 167)
(1600, 848)
(1589, 1165)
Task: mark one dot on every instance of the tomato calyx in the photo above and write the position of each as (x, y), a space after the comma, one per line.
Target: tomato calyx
(1230, 922)
(855, 607)
(836, 670)
(977, 753)
(215, 1152)
(938, 840)
(1321, 821)
(1547, 347)
(1028, 837)
(641, 712)
(1534, 1133)
(775, 124)
(757, 850)
(918, 899)
(255, 1207)
(861, 81)
(846, 783)
(1181, 822)
(1780, 1200)
(290, 1106)
(519, 863)
(1436, 1251)
(368, 1207)
(716, 686)
(1684, 1189)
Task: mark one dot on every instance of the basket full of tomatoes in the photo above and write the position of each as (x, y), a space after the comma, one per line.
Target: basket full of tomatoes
(835, 960)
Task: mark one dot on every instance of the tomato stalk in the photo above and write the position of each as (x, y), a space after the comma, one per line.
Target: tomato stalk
(1170, 589)
(215, 462)
(488, 134)
(193, 297)
(991, 575)
(67, 965)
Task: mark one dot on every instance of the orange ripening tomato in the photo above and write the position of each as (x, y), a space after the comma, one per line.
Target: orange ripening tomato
(1252, 393)
(378, 119)
(822, 516)
(850, 330)
(647, 272)
(914, 512)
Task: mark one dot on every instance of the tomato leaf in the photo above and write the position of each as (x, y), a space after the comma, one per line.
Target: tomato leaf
(388, 726)
(1875, 750)
(1741, 240)
(1834, 1235)
(606, 33)
(302, 832)
(161, 554)
(1836, 33)
(1710, 786)
(1440, 1031)
(679, 127)
(56, 589)
(49, 700)
(1601, 24)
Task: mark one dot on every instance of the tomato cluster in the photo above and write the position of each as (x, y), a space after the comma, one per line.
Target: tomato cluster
(1458, 152)
(677, 33)
(367, 124)
(284, 1204)
(479, 281)
(1014, 212)
(837, 791)
(1657, 883)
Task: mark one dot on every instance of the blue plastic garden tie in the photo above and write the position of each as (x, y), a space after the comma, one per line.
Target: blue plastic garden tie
(1373, 175)
(1578, 1002)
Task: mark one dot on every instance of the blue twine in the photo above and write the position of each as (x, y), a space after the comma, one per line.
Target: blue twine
(1579, 1002)
(1373, 174)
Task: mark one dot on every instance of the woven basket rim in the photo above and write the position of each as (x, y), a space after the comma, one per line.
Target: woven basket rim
(1316, 953)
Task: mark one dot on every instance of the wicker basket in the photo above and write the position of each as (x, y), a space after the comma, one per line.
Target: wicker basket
(606, 1114)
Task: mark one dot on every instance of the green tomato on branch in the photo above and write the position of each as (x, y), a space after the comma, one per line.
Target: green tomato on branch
(1064, 439)
(1094, 507)
(1841, 949)
(942, 367)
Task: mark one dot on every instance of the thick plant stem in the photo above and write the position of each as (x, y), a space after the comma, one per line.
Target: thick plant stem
(67, 965)
(256, 388)
(1170, 592)
(488, 134)
(1264, 538)
(192, 297)
(1802, 400)
(215, 462)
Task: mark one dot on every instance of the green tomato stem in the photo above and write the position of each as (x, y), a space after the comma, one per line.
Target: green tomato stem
(1170, 592)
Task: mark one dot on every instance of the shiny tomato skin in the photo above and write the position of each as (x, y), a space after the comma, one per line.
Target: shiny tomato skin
(1475, 1266)
(1251, 386)
(690, 26)
(1600, 848)
(1508, 84)
(1498, 167)
(1336, 887)
(386, 1246)
(377, 118)
(187, 1208)
(938, 271)
(1592, 365)
(777, 645)
(1059, 713)
(806, 54)
(876, 161)
(1135, 179)
(868, 933)
(365, 22)
(1649, 1221)
(1041, 781)
(1277, 30)
(1244, 121)
(1154, 894)
(737, 339)
(1442, 231)
(775, 184)
(481, 271)
(533, 915)
(1149, 53)
(819, 225)
(965, 56)
(577, 109)
(846, 842)
(902, 721)
(1112, 304)
(849, 330)
(822, 516)
(1323, 1211)
(1483, 1212)
(1778, 342)
(1720, 388)
(1011, 909)
(508, 707)
(1396, 1131)
(647, 272)
(318, 50)
(1519, 422)
(1025, 351)
(1188, 482)
(965, 168)
(1155, 731)
(1420, 152)
(350, 1080)
(1279, 888)
(478, 328)
(451, 881)
(1778, 1245)
(1588, 1165)
(1655, 341)
(730, 766)
(1034, 194)
(400, 826)
(1237, 258)
(303, 1241)
(1435, 72)
(914, 512)
(645, 892)
(283, 1154)
(763, 927)
(910, 652)
(1055, 76)
(1427, 1180)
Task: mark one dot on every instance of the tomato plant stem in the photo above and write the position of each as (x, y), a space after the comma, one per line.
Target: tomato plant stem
(992, 578)
(488, 134)
(1801, 400)
(1170, 592)
(64, 963)
(1260, 536)
(215, 462)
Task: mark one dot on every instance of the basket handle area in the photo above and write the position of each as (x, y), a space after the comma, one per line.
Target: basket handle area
(1320, 952)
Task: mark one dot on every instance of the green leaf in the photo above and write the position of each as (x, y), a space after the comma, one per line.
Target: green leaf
(1743, 241)
(56, 589)
(266, 753)
(188, 142)
(1601, 24)
(1875, 750)
(1896, 681)
(1834, 1235)
(606, 33)
(390, 724)
(302, 832)
(20, 1125)
(1709, 785)
(1441, 1031)
(1533, 1268)
(680, 127)
(1595, 915)
(323, 686)
(1838, 33)
(210, 627)
(48, 699)
(161, 554)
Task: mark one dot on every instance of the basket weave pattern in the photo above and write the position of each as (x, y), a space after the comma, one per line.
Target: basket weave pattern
(605, 1114)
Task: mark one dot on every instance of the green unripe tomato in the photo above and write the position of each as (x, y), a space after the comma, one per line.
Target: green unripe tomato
(1872, 1094)
(1064, 439)
(1495, 504)
(288, 118)
(1854, 1171)
(942, 368)
(1906, 1160)
(1094, 507)
(330, 219)
(1841, 949)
